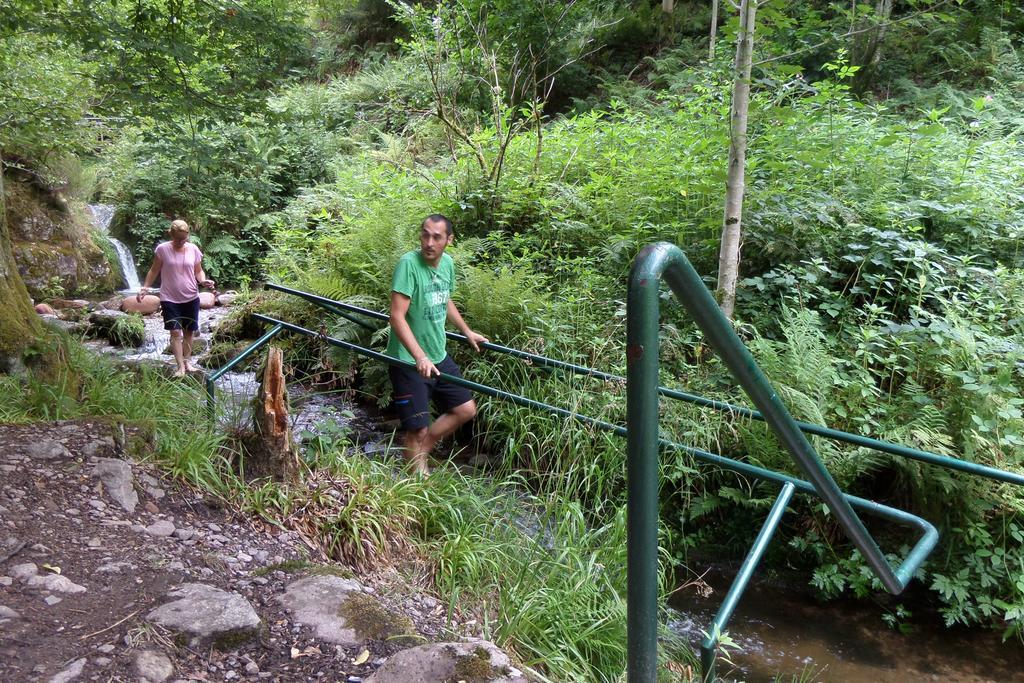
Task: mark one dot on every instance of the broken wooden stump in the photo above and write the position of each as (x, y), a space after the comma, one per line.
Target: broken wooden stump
(269, 450)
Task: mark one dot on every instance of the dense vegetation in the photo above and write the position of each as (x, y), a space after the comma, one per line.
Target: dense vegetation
(883, 282)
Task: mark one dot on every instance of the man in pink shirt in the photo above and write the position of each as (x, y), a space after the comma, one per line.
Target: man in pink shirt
(179, 265)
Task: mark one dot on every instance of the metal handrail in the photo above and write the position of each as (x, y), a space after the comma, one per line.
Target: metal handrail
(342, 308)
(666, 261)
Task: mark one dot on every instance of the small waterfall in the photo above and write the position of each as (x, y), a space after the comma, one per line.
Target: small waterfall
(101, 215)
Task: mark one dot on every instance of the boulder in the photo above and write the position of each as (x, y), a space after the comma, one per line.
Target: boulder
(152, 667)
(476, 660)
(340, 612)
(207, 300)
(103, 320)
(118, 482)
(227, 298)
(45, 309)
(68, 303)
(208, 616)
(149, 304)
(113, 303)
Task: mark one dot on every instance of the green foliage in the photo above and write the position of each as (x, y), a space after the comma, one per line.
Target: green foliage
(128, 331)
(44, 93)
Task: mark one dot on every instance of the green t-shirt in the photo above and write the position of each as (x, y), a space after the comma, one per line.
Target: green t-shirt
(428, 290)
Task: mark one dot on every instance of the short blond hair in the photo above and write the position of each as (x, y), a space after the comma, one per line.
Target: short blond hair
(179, 227)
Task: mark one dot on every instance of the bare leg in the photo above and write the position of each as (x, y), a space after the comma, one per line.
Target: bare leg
(186, 351)
(176, 350)
(447, 424)
(414, 453)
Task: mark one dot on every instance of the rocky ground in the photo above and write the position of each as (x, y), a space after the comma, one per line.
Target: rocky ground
(110, 572)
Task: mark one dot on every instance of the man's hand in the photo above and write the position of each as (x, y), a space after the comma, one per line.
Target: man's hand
(476, 339)
(426, 368)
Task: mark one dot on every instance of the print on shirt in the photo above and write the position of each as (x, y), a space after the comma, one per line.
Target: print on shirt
(437, 300)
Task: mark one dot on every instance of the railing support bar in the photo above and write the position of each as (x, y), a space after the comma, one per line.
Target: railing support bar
(739, 585)
(211, 389)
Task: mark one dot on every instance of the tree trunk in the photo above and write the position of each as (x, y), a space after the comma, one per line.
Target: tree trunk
(19, 324)
(729, 251)
(713, 33)
(668, 6)
(867, 48)
(270, 452)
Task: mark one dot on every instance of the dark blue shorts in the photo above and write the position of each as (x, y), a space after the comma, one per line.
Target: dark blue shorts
(413, 393)
(181, 316)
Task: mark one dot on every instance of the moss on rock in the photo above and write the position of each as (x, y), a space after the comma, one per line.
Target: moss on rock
(372, 621)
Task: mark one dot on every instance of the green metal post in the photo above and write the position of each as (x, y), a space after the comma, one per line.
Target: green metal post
(642, 476)
(211, 399)
(739, 584)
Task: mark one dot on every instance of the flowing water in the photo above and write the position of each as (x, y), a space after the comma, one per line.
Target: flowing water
(786, 635)
(101, 217)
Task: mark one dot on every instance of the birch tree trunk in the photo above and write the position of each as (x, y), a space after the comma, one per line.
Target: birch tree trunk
(729, 251)
(713, 33)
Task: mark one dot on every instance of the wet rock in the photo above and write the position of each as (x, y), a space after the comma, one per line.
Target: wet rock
(103, 320)
(149, 304)
(113, 303)
(478, 660)
(207, 616)
(118, 482)
(71, 673)
(68, 303)
(152, 667)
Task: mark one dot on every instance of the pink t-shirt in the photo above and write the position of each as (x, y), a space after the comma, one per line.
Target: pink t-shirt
(178, 272)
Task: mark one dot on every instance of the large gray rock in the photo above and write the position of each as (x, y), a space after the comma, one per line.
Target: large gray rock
(208, 616)
(118, 482)
(476, 660)
(152, 667)
(340, 612)
(46, 449)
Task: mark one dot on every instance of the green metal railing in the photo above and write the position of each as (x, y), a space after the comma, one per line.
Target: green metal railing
(644, 442)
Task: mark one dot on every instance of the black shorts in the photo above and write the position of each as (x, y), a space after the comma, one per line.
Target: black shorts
(181, 316)
(413, 393)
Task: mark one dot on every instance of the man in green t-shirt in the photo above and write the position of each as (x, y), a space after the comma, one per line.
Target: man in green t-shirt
(421, 302)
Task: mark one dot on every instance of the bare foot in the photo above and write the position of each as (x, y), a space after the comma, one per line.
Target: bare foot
(180, 372)
(189, 367)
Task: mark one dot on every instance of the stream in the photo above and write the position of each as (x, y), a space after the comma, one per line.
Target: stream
(788, 635)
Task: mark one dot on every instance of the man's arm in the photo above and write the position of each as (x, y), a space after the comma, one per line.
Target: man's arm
(456, 318)
(154, 270)
(399, 325)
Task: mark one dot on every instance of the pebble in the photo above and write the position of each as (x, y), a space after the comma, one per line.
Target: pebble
(51, 600)
(213, 527)
(106, 649)
(6, 581)
(176, 566)
(101, 661)
(244, 557)
(97, 504)
(94, 543)
(252, 668)
(8, 613)
(161, 528)
(184, 534)
(73, 511)
(151, 507)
